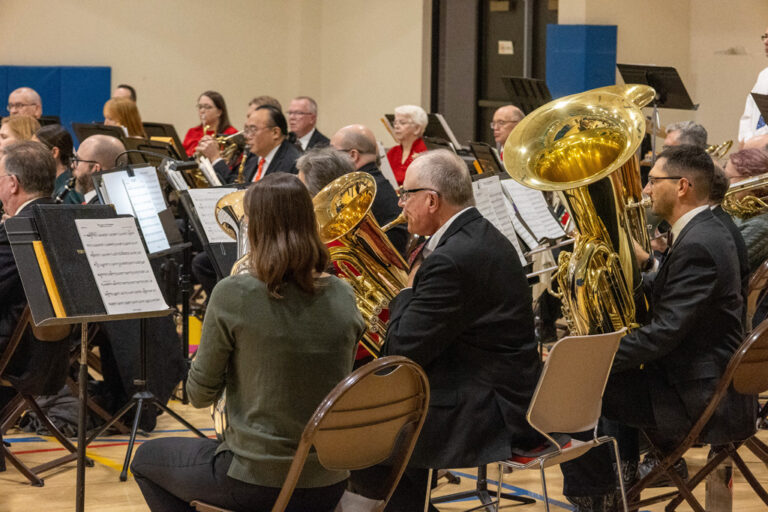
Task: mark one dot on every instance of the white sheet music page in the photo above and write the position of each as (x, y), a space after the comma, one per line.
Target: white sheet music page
(205, 200)
(534, 210)
(120, 265)
(144, 210)
(489, 200)
(116, 194)
(148, 175)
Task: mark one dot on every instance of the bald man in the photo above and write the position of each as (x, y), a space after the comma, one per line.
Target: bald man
(359, 143)
(96, 153)
(25, 102)
(504, 120)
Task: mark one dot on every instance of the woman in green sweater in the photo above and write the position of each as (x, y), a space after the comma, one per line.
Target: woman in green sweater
(278, 338)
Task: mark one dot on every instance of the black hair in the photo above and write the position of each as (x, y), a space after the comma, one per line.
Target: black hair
(277, 118)
(131, 89)
(56, 136)
(692, 162)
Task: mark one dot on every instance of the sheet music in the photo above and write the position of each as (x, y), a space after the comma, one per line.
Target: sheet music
(520, 228)
(120, 265)
(205, 200)
(148, 176)
(489, 200)
(144, 210)
(386, 169)
(116, 194)
(534, 210)
(207, 168)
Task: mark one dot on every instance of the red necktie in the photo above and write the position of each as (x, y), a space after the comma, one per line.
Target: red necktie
(259, 170)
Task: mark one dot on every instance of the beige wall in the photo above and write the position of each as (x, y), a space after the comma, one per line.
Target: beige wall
(358, 59)
(697, 38)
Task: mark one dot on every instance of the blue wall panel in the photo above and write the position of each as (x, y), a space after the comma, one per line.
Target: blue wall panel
(580, 57)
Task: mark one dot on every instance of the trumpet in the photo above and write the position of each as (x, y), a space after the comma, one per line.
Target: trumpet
(747, 198)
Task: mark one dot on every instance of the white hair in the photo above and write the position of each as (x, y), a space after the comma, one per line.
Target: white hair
(415, 113)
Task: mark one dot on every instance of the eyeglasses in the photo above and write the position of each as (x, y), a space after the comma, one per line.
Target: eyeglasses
(6, 175)
(763, 37)
(402, 122)
(75, 161)
(298, 113)
(500, 123)
(404, 194)
(249, 129)
(16, 106)
(652, 180)
(200, 106)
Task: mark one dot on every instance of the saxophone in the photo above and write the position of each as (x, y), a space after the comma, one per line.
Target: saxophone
(584, 147)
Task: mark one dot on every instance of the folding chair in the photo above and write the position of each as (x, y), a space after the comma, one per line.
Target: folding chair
(748, 373)
(373, 415)
(568, 398)
(23, 401)
(758, 284)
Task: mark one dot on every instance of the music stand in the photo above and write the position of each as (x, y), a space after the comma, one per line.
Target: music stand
(85, 130)
(761, 100)
(46, 120)
(487, 158)
(669, 87)
(22, 232)
(527, 94)
(165, 130)
(141, 151)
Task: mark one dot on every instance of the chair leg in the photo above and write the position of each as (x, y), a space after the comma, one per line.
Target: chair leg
(21, 467)
(429, 490)
(750, 477)
(620, 474)
(682, 488)
(500, 486)
(758, 448)
(544, 484)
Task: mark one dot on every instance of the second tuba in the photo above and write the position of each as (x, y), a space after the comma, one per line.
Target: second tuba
(360, 250)
(584, 147)
(230, 215)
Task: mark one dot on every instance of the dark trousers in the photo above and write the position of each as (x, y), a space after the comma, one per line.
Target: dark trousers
(409, 494)
(171, 472)
(204, 273)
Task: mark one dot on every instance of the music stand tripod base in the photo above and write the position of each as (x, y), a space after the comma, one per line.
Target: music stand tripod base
(482, 493)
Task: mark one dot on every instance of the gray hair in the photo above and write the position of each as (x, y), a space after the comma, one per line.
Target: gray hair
(312, 103)
(32, 164)
(320, 166)
(415, 113)
(354, 139)
(690, 133)
(447, 173)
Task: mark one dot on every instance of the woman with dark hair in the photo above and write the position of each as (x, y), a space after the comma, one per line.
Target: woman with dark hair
(58, 140)
(278, 338)
(124, 113)
(214, 120)
(740, 166)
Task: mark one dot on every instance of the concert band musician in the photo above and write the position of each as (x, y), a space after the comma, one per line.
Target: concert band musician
(214, 120)
(279, 338)
(472, 334)
(58, 140)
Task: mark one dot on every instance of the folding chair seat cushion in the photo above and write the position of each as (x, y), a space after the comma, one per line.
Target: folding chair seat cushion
(521, 456)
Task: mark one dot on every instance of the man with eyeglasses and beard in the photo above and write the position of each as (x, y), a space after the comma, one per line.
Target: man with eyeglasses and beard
(96, 153)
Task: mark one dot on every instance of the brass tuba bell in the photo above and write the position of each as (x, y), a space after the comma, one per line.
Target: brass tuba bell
(584, 147)
(360, 250)
(230, 215)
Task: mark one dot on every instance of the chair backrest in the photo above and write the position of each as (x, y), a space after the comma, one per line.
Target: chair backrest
(750, 377)
(568, 397)
(373, 415)
(758, 283)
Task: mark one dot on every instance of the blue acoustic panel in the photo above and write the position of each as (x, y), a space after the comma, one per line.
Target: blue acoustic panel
(580, 57)
(74, 93)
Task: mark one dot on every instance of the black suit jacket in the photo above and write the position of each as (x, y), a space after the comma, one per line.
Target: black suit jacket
(741, 247)
(385, 207)
(468, 322)
(318, 140)
(227, 175)
(284, 161)
(696, 326)
(38, 367)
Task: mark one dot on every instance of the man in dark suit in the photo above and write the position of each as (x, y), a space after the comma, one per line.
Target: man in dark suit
(27, 172)
(96, 153)
(359, 143)
(266, 133)
(302, 119)
(665, 372)
(472, 334)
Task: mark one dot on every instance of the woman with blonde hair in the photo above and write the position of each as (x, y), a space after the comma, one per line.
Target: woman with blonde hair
(17, 128)
(123, 112)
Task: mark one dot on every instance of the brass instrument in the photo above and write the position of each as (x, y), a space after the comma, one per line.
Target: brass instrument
(584, 147)
(747, 198)
(360, 249)
(230, 215)
(241, 168)
(718, 151)
(229, 144)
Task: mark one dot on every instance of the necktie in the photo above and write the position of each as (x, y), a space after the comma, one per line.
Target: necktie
(259, 170)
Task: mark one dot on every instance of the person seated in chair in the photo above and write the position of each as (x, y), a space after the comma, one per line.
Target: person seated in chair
(278, 339)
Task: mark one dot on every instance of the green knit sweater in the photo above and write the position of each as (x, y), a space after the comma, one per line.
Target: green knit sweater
(755, 233)
(278, 359)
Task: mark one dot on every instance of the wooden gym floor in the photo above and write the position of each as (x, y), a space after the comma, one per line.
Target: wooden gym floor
(104, 491)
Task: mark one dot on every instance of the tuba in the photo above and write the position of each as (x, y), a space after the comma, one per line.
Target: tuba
(230, 215)
(360, 250)
(584, 147)
(747, 198)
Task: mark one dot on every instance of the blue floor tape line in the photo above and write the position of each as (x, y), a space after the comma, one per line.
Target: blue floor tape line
(14, 440)
(519, 491)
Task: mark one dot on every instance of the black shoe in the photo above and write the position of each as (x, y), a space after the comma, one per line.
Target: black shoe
(649, 464)
(601, 503)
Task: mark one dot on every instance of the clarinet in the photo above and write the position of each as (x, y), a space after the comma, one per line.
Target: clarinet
(66, 190)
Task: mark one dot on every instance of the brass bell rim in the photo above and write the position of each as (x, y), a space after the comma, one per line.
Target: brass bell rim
(332, 225)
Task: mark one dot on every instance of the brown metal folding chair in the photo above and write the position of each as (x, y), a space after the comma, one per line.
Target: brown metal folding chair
(372, 416)
(24, 401)
(758, 284)
(747, 371)
(568, 399)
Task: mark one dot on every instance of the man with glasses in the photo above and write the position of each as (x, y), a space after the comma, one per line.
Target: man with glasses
(752, 123)
(467, 319)
(96, 153)
(504, 120)
(25, 102)
(266, 133)
(302, 118)
(666, 371)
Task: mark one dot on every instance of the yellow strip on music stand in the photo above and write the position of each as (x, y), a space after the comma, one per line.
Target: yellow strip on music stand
(50, 284)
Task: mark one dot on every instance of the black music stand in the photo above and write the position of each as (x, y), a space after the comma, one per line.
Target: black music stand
(761, 100)
(481, 493)
(147, 151)
(487, 158)
(46, 120)
(165, 130)
(669, 87)
(85, 130)
(22, 232)
(527, 94)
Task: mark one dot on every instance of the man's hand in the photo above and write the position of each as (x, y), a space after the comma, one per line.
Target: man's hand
(209, 148)
(640, 255)
(414, 269)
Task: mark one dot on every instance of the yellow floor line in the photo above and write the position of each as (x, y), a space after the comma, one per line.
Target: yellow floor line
(105, 461)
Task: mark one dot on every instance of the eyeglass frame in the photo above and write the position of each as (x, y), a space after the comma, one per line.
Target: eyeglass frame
(200, 106)
(763, 37)
(19, 105)
(248, 130)
(502, 122)
(298, 113)
(403, 194)
(653, 179)
(74, 161)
